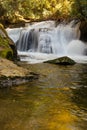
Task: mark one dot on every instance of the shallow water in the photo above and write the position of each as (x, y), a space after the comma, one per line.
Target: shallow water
(57, 101)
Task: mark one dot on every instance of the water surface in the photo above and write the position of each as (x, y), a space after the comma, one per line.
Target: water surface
(57, 101)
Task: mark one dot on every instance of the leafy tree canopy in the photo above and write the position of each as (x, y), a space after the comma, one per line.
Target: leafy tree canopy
(13, 10)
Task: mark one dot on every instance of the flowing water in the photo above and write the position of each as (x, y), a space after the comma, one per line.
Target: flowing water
(56, 101)
(44, 40)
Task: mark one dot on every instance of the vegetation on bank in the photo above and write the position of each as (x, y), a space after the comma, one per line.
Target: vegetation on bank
(13, 11)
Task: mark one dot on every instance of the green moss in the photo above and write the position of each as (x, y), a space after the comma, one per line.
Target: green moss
(3, 30)
(4, 42)
(5, 50)
(6, 53)
(62, 61)
(7, 46)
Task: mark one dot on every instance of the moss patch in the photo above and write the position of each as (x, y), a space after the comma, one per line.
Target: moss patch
(5, 50)
(6, 54)
(62, 61)
(4, 42)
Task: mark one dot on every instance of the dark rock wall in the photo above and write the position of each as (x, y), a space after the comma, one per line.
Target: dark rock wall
(83, 28)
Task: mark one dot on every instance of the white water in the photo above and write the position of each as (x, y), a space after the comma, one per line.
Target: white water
(14, 34)
(43, 41)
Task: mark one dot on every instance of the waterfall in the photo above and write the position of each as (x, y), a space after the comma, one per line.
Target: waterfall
(27, 41)
(44, 40)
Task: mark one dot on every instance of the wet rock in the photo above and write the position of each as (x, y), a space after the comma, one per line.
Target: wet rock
(12, 74)
(7, 47)
(16, 80)
(62, 61)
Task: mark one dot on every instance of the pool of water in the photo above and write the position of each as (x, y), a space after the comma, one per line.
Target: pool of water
(56, 101)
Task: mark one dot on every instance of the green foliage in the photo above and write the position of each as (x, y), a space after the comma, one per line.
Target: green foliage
(2, 10)
(79, 8)
(15, 10)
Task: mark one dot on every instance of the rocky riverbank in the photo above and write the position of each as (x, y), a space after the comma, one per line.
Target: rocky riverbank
(12, 74)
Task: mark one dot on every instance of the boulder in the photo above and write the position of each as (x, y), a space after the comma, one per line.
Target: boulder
(62, 61)
(7, 47)
(12, 74)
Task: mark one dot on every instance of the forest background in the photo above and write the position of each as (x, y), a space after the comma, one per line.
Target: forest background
(14, 11)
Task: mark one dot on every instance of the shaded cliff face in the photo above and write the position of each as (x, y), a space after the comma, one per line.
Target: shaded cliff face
(7, 47)
(83, 28)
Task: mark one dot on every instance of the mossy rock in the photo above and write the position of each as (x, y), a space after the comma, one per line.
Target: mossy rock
(7, 47)
(62, 61)
(5, 50)
(6, 54)
(4, 42)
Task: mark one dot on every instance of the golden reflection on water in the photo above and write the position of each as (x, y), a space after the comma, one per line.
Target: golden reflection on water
(63, 121)
(39, 109)
(52, 103)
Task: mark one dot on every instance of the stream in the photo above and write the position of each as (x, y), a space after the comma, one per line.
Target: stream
(56, 101)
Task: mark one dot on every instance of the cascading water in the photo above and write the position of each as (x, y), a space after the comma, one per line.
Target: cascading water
(43, 41)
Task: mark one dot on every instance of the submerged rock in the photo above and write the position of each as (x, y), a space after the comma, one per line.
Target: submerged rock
(62, 61)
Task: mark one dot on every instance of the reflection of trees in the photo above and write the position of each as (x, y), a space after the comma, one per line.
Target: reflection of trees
(52, 110)
(80, 97)
(39, 109)
(36, 106)
(80, 93)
